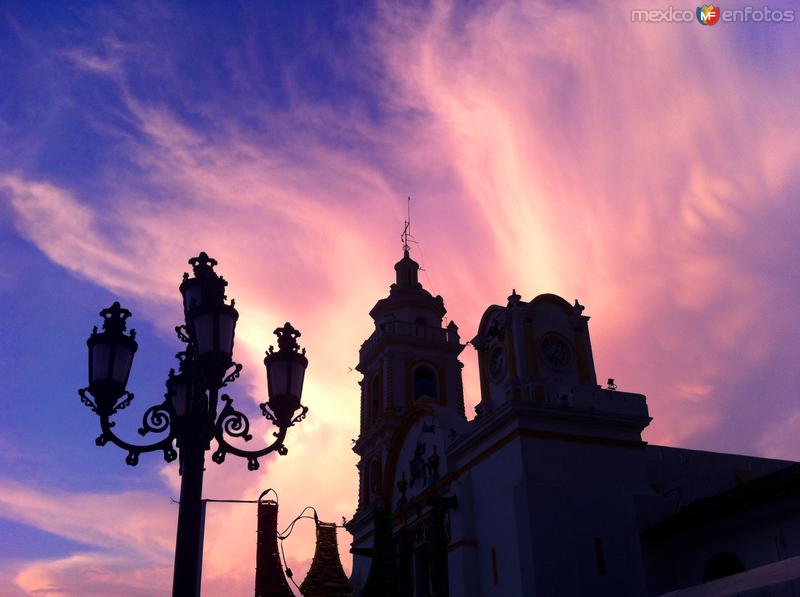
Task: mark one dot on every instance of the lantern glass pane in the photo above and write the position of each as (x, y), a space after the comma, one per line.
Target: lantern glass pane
(278, 378)
(204, 333)
(298, 372)
(101, 353)
(226, 327)
(122, 364)
(192, 296)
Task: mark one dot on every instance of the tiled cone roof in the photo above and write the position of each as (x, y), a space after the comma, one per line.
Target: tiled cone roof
(326, 578)
(270, 581)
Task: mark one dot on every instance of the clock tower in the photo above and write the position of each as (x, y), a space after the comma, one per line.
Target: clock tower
(537, 351)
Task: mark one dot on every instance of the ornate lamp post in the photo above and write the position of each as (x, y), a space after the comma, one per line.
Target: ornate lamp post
(188, 415)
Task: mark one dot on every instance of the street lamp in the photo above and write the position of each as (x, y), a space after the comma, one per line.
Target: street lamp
(188, 415)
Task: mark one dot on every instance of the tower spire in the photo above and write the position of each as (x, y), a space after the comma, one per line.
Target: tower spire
(407, 269)
(406, 227)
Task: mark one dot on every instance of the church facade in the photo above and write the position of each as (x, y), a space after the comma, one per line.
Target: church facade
(550, 489)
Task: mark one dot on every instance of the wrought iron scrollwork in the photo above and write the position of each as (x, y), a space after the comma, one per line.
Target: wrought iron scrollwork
(170, 453)
(271, 417)
(268, 413)
(86, 400)
(124, 403)
(182, 332)
(120, 404)
(301, 416)
(219, 455)
(156, 419)
(233, 375)
(134, 450)
(233, 423)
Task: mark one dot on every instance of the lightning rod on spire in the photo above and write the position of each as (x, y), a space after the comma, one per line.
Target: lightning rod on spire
(407, 227)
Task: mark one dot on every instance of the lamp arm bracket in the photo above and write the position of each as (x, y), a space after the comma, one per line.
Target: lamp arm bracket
(165, 444)
(234, 423)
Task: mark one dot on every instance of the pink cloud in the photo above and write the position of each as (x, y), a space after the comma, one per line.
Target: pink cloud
(606, 167)
(91, 574)
(553, 149)
(128, 537)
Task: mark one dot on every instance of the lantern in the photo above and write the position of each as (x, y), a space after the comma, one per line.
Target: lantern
(286, 369)
(111, 355)
(211, 323)
(213, 327)
(178, 391)
(206, 287)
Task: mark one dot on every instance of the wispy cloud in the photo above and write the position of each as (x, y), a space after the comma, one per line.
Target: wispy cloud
(128, 534)
(548, 148)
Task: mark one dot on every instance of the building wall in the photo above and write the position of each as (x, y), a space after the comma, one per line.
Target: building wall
(766, 534)
(694, 474)
(546, 507)
(497, 522)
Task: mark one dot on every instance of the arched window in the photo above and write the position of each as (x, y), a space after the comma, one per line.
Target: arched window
(375, 401)
(425, 383)
(722, 564)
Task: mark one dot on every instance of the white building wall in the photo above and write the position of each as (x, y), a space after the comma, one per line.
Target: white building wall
(542, 503)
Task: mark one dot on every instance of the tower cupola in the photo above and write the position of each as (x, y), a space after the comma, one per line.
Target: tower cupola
(408, 300)
(407, 271)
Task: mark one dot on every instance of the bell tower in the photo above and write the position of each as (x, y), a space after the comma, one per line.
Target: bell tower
(410, 359)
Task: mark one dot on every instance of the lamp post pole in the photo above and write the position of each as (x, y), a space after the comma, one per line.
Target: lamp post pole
(188, 417)
(188, 543)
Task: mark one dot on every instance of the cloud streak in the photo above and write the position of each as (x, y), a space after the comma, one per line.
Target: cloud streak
(548, 148)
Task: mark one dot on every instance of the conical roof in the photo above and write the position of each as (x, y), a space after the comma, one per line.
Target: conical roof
(270, 580)
(326, 577)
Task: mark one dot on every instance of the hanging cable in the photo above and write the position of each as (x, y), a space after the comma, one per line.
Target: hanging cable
(424, 269)
(287, 531)
(288, 570)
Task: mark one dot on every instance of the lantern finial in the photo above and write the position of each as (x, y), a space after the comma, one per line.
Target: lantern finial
(287, 338)
(203, 265)
(114, 318)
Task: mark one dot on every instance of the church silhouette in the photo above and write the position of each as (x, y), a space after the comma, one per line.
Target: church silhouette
(550, 489)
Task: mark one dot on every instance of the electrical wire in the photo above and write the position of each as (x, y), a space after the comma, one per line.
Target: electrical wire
(288, 570)
(425, 269)
(422, 262)
(287, 531)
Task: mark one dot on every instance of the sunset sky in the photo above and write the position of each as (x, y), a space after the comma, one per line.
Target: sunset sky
(649, 170)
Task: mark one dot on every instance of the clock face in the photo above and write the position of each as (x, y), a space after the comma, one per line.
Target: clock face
(497, 364)
(556, 352)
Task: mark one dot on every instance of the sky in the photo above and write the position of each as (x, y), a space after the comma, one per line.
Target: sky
(649, 170)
